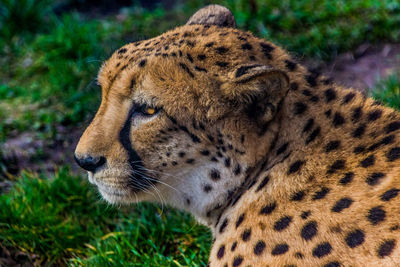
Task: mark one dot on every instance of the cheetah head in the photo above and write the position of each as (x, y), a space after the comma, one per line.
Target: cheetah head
(184, 116)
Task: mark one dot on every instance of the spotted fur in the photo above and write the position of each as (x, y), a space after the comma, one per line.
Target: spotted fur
(285, 167)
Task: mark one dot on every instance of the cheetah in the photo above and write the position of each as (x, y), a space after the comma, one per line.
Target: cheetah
(284, 166)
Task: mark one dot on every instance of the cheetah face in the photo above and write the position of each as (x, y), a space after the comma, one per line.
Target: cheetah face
(182, 117)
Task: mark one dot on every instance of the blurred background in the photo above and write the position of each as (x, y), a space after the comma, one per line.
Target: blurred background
(50, 52)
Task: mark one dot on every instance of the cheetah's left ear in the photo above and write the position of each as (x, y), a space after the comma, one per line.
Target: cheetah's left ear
(257, 90)
(213, 15)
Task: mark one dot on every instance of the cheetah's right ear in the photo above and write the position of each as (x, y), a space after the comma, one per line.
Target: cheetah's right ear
(213, 15)
(257, 90)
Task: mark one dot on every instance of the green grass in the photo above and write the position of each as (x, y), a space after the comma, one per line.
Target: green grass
(63, 221)
(387, 91)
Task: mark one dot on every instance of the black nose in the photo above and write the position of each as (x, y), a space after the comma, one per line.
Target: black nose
(90, 163)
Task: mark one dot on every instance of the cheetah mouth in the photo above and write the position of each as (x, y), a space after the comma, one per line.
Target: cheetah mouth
(115, 193)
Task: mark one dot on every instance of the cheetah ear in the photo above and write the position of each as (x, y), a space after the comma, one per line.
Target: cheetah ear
(213, 15)
(258, 90)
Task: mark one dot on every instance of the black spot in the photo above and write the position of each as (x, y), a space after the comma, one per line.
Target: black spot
(181, 154)
(299, 108)
(322, 250)
(348, 177)
(321, 193)
(227, 162)
(376, 215)
(259, 247)
(330, 95)
(299, 255)
(133, 83)
(374, 115)
(332, 145)
(221, 50)
(313, 135)
(337, 165)
(393, 126)
(122, 51)
(296, 166)
(294, 86)
(391, 193)
(338, 119)
(221, 252)
(290, 65)
(190, 43)
(280, 249)
(307, 92)
(215, 175)
(368, 161)
(282, 223)
(142, 63)
(201, 57)
(328, 113)
(393, 154)
(282, 149)
(247, 46)
(349, 97)
(355, 238)
(240, 220)
(267, 49)
(342, 204)
(263, 183)
(268, 209)
(207, 188)
(205, 152)
(357, 113)
(386, 248)
(374, 178)
(385, 141)
(312, 79)
(189, 161)
(314, 99)
(359, 131)
(234, 246)
(309, 230)
(359, 149)
(237, 261)
(223, 225)
(246, 235)
(200, 69)
(308, 125)
(185, 68)
(189, 57)
(237, 169)
(332, 264)
(304, 215)
(221, 64)
(298, 196)
(210, 44)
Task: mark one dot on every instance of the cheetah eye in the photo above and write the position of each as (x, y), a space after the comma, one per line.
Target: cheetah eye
(145, 110)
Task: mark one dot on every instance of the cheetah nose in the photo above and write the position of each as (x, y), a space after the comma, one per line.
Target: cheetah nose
(90, 163)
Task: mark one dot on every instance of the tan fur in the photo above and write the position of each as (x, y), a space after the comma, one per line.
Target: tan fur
(226, 94)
